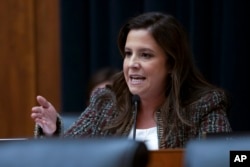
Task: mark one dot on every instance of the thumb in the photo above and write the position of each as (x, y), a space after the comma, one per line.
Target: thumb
(43, 102)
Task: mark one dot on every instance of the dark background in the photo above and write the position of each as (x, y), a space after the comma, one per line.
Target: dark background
(218, 31)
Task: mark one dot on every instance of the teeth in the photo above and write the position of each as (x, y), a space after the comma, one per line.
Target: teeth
(136, 77)
(136, 80)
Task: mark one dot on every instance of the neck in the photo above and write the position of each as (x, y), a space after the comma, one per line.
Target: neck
(145, 117)
(150, 105)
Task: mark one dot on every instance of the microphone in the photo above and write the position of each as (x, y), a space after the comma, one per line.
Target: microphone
(135, 101)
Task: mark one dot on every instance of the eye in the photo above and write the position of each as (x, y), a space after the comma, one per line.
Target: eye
(146, 55)
(127, 53)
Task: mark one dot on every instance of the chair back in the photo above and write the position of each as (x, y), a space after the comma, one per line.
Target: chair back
(109, 152)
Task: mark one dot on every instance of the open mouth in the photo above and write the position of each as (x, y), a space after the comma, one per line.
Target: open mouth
(136, 79)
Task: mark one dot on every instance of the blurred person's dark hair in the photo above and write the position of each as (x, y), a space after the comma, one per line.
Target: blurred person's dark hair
(101, 78)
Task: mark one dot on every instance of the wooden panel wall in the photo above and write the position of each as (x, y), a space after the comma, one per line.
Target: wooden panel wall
(29, 61)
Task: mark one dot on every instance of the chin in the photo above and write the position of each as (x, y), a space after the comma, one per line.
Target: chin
(135, 92)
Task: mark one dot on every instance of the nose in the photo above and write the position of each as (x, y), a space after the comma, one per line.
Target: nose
(134, 61)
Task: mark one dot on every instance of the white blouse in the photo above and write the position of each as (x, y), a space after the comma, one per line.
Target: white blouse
(148, 136)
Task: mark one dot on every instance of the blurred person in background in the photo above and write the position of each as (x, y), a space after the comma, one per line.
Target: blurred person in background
(101, 78)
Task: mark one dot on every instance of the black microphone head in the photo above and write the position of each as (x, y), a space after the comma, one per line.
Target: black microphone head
(136, 98)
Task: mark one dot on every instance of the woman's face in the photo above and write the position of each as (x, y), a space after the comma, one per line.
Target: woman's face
(145, 65)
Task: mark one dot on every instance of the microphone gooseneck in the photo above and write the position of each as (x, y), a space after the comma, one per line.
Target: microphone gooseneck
(135, 101)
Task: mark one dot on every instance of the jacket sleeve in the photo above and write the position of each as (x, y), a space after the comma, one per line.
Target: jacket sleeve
(212, 114)
(92, 121)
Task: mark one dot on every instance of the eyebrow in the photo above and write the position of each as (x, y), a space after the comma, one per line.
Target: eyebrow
(141, 50)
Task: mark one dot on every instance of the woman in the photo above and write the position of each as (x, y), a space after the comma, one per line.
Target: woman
(176, 103)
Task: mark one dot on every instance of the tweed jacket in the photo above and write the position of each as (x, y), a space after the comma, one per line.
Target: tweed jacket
(207, 115)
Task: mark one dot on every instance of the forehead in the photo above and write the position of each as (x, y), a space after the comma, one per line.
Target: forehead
(140, 35)
(142, 38)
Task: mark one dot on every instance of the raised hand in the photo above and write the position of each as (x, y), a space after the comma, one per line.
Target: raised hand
(45, 116)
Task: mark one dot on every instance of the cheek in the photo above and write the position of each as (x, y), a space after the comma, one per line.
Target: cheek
(158, 68)
(124, 66)
(160, 73)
